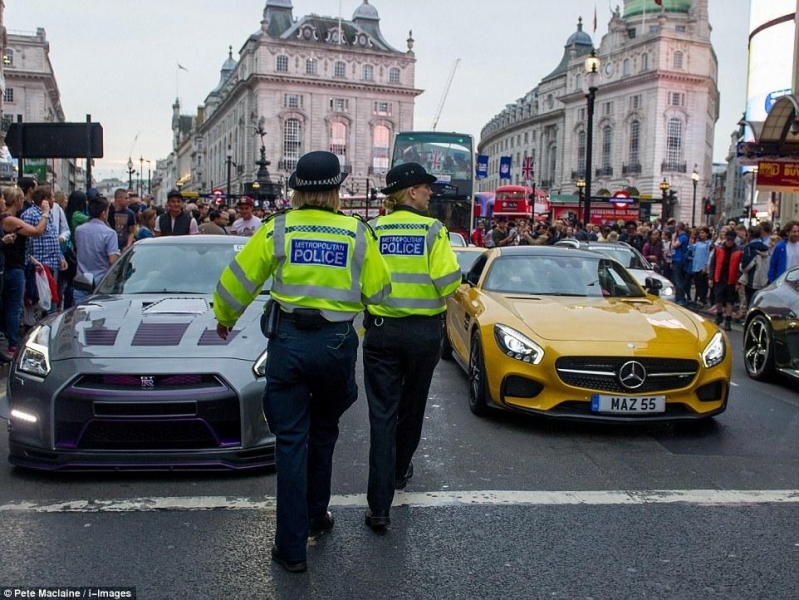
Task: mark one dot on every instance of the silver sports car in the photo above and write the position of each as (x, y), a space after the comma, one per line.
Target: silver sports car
(135, 377)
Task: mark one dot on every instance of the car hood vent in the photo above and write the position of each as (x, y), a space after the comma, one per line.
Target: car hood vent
(101, 337)
(178, 306)
(159, 334)
(209, 337)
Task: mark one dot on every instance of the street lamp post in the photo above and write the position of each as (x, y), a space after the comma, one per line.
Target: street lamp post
(591, 77)
(141, 175)
(130, 173)
(149, 182)
(664, 188)
(580, 184)
(229, 162)
(695, 180)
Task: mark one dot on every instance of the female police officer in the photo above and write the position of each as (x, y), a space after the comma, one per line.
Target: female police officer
(402, 344)
(325, 268)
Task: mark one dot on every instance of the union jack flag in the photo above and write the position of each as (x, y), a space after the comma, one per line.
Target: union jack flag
(435, 160)
(527, 168)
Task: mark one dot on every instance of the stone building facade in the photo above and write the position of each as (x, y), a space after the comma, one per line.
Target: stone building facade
(31, 91)
(307, 83)
(655, 110)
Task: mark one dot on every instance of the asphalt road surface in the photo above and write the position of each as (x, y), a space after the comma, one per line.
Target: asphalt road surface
(500, 507)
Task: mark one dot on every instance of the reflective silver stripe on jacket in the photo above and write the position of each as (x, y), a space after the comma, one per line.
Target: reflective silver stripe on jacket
(334, 316)
(241, 277)
(445, 280)
(237, 306)
(411, 278)
(435, 227)
(413, 302)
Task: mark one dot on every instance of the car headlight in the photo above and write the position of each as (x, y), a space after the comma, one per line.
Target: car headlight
(667, 290)
(35, 356)
(259, 367)
(715, 351)
(517, 345)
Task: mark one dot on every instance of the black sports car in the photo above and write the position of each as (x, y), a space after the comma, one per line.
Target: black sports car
(771, 330)
(135, 377)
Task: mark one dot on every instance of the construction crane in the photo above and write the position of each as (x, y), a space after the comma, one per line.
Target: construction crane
(444, 95)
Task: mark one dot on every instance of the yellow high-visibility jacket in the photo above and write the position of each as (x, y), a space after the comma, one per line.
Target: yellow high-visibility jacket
(317, 258)
(424, 268)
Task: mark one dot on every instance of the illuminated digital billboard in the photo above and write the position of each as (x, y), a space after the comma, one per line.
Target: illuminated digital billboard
(771, 40)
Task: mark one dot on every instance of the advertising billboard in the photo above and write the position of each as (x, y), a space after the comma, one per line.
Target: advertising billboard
(771, 34)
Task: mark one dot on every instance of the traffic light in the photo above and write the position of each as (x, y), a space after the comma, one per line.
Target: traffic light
(710, 208)
(754, 213)
(374, 195)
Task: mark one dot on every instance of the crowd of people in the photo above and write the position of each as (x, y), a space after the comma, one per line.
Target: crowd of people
(62, 236)
(718, 269)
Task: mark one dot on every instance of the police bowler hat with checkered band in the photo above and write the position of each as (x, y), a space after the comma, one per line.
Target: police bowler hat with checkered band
(406, 175)
(317, 171)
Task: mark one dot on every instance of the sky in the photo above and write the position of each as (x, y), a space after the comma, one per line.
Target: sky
(117, 61)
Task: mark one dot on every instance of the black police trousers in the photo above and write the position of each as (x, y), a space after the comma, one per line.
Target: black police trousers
(399, 358)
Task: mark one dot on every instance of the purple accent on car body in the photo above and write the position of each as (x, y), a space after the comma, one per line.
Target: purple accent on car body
(101, 337)
(210, 337)
(159, 334)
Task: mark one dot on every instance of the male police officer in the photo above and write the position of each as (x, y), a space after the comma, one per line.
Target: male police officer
(404, 332)
(325, 268)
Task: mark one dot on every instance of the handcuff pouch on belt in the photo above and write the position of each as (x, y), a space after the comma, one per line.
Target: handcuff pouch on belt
(270, 319)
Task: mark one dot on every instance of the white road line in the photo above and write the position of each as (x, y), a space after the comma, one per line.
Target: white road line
(429, 500)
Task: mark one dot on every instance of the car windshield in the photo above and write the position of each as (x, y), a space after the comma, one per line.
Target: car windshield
(169, 268)
(628, 257)
(561, 276)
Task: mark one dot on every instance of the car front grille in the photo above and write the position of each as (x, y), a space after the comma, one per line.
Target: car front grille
(162, 412)
(601, 373)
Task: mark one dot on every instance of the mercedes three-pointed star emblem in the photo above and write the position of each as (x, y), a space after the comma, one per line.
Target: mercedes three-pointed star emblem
(632, 375)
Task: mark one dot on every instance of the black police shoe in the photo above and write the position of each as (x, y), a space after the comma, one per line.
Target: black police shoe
(297, 566)
(378, 520)
(321, 524)
(401, 482)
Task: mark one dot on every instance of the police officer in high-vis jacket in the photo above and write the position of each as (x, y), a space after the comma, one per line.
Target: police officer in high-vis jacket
(403, 338)
(325, 268)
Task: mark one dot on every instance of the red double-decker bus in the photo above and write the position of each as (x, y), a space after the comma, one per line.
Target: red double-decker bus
(520, 201)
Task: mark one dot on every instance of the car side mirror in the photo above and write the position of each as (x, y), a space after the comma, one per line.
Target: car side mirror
(471, 278)
(84, 282)
(653, 285)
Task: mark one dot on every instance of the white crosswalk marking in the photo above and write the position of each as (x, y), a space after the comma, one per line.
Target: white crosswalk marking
(428, 500)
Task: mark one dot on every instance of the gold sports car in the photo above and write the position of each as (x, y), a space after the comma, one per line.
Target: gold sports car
(569, 333)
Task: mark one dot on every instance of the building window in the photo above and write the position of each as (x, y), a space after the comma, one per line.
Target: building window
(581, 115)
(674, 141)
(631, 33)
(645, 62)
(340, 70)
(679, 28)
(8, 57)
(383, 109)
(677, 60)
(368, 73)
(338, 142)
(626, 67)
(292, 143)
(283, 63)
(607, 146)
(635, 102)
(553, 163)
(292, 100)
(380, 148)
(340, 104)
(607, 109)
(581, 151)
(635, 142)
(8, 95)
(394, 75)
(676, 99)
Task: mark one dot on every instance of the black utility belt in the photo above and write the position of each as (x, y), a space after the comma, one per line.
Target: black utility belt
(369, 319)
